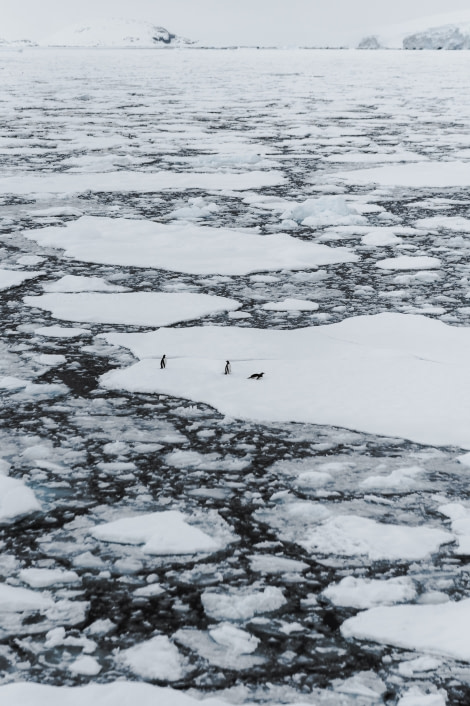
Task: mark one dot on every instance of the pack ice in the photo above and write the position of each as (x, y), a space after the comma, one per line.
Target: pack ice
(135, 308)
(391, 374)
(183, 247)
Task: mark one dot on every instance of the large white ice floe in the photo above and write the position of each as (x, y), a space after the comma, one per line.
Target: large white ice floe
(350, 535)
(392, 374)
(160, 533)
(157, 658)
(14, 278)
(436, 629)
(183, 247)
(134, 308)
(419, 175)
(361, 593)
(139, 182)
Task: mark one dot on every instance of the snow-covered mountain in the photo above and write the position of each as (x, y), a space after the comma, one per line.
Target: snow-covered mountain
(114, 33)
(447, 31)
(16, 43)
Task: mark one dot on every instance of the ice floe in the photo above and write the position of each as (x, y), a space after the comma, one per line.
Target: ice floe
(361, 593)
(453, 223)
(43, 578)
(159, 533)
(184, 248)
(225, 646)
(85, 665)
(16, 499)
(74, 283)
(401, 480)
(61, 331)
(18, 605)
(242, 604)
(291, 305)
(416, 697)
(460, 523)
(409, 262)
(415, 176)
(433, 629)
(392, 374)
(157, 658)
(324, 211)
(135, 308)
(140, 182)
(350, 535)
(14, 278)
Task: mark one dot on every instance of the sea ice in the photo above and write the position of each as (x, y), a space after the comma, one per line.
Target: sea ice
(272, 564)
(13, 278)
(184, 248)
(16, 499)
(291, 305)
(380, 238)
(350, 535)
(460, 521)
(418, 665)
(242, 604)
(160, 533)
(409, 262)
(324, 211)
(154, 660)
(225, 646)
(391, 374)
(43, 578)
(436, 629)
(61, 332)
(157, 658)
(416, 176)
(140, 182)
(453, 223)
(14, 599)
(85, 665)
(360, 593)
(74, 283)
(135, 308)
(416, 697)
(399, 480)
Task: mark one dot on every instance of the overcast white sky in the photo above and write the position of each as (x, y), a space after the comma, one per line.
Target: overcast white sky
(287, 22)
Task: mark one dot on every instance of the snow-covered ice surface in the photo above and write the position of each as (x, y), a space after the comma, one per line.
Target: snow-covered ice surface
(184, 248)
(302, 214)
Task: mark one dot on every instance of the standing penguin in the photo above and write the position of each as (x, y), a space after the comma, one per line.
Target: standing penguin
(228, 368)
(163, 362)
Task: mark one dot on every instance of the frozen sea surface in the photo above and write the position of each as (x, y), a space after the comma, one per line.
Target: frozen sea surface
(310, 541)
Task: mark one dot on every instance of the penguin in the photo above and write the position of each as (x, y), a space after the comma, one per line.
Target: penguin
(163, 362)
(256, 376)
(228, 368)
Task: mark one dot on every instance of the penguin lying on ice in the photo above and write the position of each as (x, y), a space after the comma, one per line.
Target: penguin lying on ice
(256, 376)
